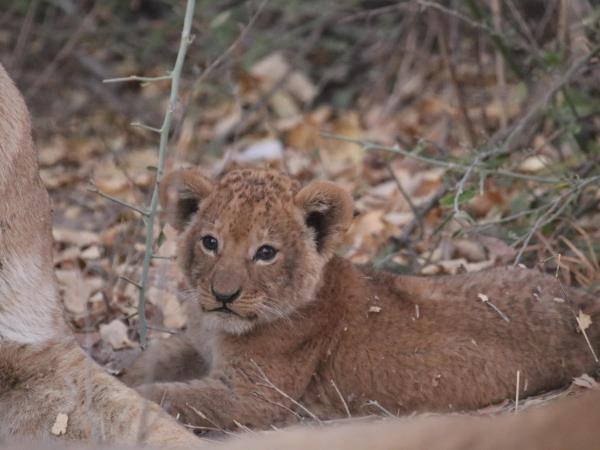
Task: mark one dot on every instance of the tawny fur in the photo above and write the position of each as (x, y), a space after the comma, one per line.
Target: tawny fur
(564, 424)
(309, 328)
(43, 373)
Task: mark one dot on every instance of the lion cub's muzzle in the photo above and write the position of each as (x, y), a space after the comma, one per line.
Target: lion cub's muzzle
(226, 297)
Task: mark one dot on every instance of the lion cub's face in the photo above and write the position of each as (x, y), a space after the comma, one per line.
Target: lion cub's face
(253, 244)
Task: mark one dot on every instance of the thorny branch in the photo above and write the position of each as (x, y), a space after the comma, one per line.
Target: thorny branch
(149, 213)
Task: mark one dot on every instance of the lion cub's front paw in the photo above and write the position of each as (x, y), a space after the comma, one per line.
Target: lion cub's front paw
(153, 392)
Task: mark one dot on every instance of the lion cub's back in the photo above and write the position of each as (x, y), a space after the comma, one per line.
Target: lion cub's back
(438, 343)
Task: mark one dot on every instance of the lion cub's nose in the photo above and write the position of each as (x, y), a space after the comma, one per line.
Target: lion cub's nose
(226, 297)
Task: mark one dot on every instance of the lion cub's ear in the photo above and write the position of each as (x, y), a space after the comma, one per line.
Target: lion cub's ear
(328, 211)
(181, 192)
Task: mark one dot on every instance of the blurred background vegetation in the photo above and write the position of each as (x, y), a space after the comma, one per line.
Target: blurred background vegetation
(468, 131)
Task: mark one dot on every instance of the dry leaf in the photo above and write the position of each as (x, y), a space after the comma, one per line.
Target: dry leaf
(80, 238)
(174, 314)
(266, 149)
(534, 164)
(60, 425)
(471, 250)
(583, 320)
(274, 68)
(51, 154)
(585, 381)
(337, 155)
(76, 291)
(91, 253)
(115, 333)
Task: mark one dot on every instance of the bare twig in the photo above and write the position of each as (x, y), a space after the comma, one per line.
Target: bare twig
(341, 398)
(64, 51)
(501, 93)
(458, 90)
(233, 46)
(149, 214)
(143, 126)
(138, 78)
(558, 83)
(450, 165)
(205, 417)
(268, 383)
(517, 391)
(17, 55)
(485, 299)
(162, 155)
(407, 230)
(579, 324)
(130, 281)
(93, 188)
(402, 191)
(554, 209)
(376, 404)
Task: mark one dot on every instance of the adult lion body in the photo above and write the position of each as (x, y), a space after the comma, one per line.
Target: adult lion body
(43, 373)
(290, 329)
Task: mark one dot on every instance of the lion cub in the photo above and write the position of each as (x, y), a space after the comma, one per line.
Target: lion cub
(289, 329)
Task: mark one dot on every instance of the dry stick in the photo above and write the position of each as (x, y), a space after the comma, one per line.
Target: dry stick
(452, 166)
(17, 54)
(162, 154)
(454, 13)
(378, 406)
(517, 129)
(498, 40)
(234, 44)
(422, 212)
(510, 218)
(411, 205)
(64, 51)
(268, 383)
(559, 83)
(517, 391)
(264, 99)
(460, 95)
(205, 417)
(533, 45)
(278, 404)
(579, 324)
(485, 299)
(149, 214)
(341, 398)
(138, 78)
(553, 211)
(93, 188)
(501, 93)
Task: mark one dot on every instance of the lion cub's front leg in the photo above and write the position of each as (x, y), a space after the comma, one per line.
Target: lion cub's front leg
(172, 359)
(251, 394)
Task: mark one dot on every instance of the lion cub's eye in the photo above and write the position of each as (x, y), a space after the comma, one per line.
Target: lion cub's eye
(265, 253)
(210, 243)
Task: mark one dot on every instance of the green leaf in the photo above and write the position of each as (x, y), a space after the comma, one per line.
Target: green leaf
(220, 19)
(161, 239)
(447, 201)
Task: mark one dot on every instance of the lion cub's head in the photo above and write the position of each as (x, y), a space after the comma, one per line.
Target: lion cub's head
(253, 243)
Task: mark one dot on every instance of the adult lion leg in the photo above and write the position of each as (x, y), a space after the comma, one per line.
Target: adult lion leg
(564, 424)
(45, 378)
